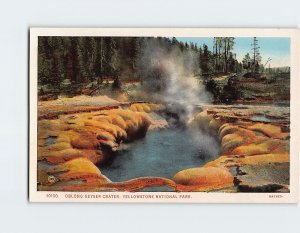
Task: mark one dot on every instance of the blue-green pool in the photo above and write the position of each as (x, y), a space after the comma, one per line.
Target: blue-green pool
(161, 153)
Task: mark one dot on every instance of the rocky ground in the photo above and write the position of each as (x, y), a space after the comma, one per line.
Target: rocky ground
(254, 142)
(76, 134)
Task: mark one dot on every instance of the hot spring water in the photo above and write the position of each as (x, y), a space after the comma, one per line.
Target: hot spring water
(161, 153)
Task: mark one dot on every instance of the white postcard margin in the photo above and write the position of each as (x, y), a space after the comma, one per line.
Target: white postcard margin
(167, 197)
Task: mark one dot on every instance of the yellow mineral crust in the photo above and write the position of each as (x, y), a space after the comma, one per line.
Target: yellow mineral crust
(145, 107)
(265, 159)
(78, 140)
(242, 143)
(202, 178)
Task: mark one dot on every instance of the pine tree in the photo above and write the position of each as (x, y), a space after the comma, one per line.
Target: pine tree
(228, 43)
(112, 57)
(43, 61)
(72, 61)
(205, 60)
(256, 55)
(247, 62)
(100, 59)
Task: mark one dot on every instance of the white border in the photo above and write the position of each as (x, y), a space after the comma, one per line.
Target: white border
(197, 197)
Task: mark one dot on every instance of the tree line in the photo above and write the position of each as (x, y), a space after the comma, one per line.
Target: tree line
(221, 59)
(90, 59)
(84, 59)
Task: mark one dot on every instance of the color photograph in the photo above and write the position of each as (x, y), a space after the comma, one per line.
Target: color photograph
(166, 114)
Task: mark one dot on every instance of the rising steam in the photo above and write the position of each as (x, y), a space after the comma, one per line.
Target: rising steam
(172, 76)
(179, 80)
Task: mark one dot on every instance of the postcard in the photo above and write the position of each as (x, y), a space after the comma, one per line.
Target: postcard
(164, 115)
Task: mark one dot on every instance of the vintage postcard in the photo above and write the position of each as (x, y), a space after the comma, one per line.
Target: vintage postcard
(164, 115)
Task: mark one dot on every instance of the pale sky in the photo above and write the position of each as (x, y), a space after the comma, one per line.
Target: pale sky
(277, 48)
